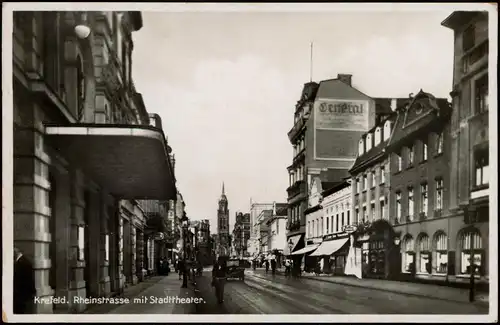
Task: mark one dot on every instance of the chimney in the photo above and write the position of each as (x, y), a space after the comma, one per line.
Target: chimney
(345, 78)
(394, 104)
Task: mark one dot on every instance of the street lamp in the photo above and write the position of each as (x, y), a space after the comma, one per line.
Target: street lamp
(82, 31)
(184, 223)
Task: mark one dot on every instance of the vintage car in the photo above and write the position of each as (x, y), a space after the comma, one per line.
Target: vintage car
(235, 269)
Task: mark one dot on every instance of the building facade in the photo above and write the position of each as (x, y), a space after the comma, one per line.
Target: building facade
(241, 233)
(69, 93)
(277, 231)
(255, 210)
(332, 109)
(224, 244)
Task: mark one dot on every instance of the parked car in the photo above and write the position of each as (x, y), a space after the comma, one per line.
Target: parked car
(236, 269)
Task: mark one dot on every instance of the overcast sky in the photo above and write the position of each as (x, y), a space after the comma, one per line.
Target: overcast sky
(226, 84)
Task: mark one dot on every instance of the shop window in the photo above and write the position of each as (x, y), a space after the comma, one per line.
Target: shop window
(481, 89)
(441, 244)
(481, 158)
(424, 252)
(472, 250)
(408, 259)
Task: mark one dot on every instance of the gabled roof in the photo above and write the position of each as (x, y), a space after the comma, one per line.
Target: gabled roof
(423, 109)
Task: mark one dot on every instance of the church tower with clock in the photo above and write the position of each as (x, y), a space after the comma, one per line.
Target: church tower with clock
(223, 224)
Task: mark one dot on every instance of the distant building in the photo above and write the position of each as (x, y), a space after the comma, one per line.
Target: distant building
(224, 244)
(277, 231)
(255, 211)
(241, 233)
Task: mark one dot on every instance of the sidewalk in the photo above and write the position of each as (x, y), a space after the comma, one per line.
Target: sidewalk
(153, 288)
(408, 288)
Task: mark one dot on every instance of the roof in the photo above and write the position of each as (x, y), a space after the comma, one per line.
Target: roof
(282, 211)
(375, 150)
(328, 185)
(459, 18)
(335, 188)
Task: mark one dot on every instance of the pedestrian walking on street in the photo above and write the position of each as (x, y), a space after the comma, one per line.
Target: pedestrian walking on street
(267, 266)
(180, 266)
(273, 266)
(219, 275)
(24, 283)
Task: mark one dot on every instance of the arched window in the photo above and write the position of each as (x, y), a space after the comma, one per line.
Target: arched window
(471, 245)
(441, 246)
(361, 147)
(368, 142)
(408, 260)
(387, 130)
(378, 136)
(424, 254)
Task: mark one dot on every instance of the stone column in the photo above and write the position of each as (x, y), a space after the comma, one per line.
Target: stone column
(120, 277)
(133, 254)
(77, 282)
(104, 278)
(31, 190)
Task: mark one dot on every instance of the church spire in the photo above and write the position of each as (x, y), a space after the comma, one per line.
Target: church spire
(223, 189)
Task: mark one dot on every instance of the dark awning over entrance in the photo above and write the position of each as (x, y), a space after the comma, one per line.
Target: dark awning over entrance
(130, 161)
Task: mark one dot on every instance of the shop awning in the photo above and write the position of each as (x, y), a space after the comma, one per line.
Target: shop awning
(306, 249)
(129, 161)
(330, 247)
(295, 240)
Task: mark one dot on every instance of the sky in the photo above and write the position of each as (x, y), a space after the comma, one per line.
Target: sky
(226, 84)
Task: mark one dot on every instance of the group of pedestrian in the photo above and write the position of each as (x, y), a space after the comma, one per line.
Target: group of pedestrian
(271, 263)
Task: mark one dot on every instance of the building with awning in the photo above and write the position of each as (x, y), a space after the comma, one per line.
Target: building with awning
(85, 152)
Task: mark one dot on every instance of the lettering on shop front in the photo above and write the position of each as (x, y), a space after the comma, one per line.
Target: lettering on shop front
(343, 108)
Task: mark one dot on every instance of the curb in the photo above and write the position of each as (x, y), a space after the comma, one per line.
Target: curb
(479, 300)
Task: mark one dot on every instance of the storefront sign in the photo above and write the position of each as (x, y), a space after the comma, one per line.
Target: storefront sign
(334, 236)
(349, 229)
(341, 114)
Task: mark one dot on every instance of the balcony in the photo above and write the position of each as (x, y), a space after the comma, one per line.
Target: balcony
(296, 129)
(297, 188)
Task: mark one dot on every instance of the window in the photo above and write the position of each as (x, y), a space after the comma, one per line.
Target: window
(358, 182)
(378, 136)
(365, 182)
(439, 194)
(356, 211)
(481, 158)
(482, 94)
(361, 147)
(382, 208)
(337, 223)
(425, 265)
(365, 214)
(399, 161)
(374, 178)
(472, 246)
(309, 228)
(322, 226)
(387, 130)
(439, 143)
(441, 253)
(424, 151)
(106, 247)
(348, 217)
(411, 155)
(411, 207)
(469, 38)
(398, 206)
(327, 226)
(342, 221)
(368, 142)
(423, 198)
(81, 243)
(382, 175)
(372, 210)
(408, 259)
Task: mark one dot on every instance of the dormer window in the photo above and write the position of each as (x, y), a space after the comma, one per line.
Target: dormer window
(361, 147)
(368, 142)
(387, 130)
(378, 136)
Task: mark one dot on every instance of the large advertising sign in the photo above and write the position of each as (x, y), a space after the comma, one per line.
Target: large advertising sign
(341, 114)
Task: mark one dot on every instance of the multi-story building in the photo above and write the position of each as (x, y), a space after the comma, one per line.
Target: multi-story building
(262, 230)
(469, 192)
(255, 210)
(241, 233)
(329, 119)
(180, 210)
(419, 157)
(223, 225)
(277, 231)
(331, 227)
(78, 158)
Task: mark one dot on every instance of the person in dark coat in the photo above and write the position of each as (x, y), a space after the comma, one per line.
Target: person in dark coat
(219, 275)
(24, 283)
